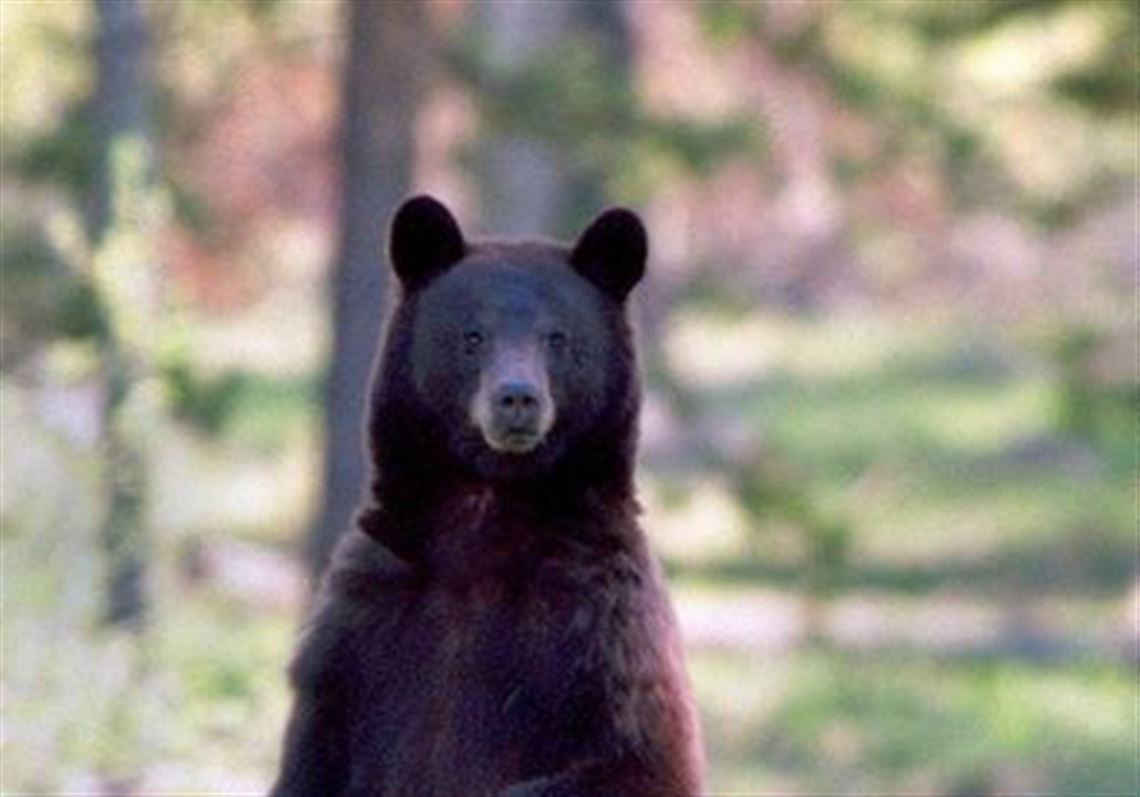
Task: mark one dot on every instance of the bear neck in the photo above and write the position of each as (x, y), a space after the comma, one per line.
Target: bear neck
(479, 537)
(589, 497)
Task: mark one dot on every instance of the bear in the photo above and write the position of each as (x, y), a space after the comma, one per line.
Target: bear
(494, 625)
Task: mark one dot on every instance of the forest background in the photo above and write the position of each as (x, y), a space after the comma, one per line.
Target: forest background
(889, 447)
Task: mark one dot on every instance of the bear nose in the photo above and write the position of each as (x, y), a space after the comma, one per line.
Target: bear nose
(518, 404)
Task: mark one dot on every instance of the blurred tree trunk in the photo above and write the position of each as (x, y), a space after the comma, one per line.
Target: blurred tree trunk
(383, 84)
(123, 216)
(529, 186)
(122, 219)
(604, 25)
(525, 184)
(122, 104)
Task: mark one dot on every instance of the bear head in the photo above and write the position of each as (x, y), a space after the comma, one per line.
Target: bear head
(507, 361)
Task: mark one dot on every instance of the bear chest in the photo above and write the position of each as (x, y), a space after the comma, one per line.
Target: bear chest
(490, 687)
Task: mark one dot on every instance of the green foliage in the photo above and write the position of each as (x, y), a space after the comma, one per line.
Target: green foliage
(267, 412)
(975, 722)
(1072, 352)
(772, 490)
(81, 316)
(250, 409)
(570, 97)
(923, 457)
(42, 298)
(901, 65)
(204, 402)
(822, 721)
(943, 22)
(63, 156)
(1092, 404)
(1107, 85)
(727, 22)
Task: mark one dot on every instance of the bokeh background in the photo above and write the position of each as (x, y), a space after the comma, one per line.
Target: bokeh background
(889, 338)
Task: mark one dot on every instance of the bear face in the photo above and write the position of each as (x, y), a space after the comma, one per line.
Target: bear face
(509, 353)
(507, 360)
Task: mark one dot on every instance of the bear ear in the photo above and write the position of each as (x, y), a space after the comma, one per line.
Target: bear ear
(425, 241)
(611, 252)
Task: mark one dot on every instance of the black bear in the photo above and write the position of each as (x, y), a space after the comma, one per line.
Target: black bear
(495, 625)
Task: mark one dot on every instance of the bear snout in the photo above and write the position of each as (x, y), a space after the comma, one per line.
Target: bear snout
(517, 407)
(513, 412)
(516, 417)
(513, 407)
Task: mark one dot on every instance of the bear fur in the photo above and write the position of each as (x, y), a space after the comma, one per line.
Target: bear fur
(495, 625)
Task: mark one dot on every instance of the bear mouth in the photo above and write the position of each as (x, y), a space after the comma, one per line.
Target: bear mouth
(514, 441)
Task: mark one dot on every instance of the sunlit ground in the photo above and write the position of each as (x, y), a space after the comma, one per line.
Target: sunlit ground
(974, 640)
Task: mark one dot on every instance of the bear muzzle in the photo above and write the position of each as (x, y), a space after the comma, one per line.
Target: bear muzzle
(513, 408)
(516, 417)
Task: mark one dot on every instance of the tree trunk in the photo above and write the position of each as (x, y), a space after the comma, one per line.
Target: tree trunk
(529, 186)
(525, 184)
(124, 214)
(383, 84)
(122, 218)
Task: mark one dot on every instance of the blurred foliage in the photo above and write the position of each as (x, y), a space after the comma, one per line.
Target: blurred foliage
(41, 298)
(573, 98)
(977, 728)
(1097, 395)
(205, 402)
(64, 156)
(772, 491)
(924, 456)
(902, 64)
(243, 407)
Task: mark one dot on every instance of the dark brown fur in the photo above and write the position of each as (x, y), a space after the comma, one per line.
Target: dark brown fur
(495, 636)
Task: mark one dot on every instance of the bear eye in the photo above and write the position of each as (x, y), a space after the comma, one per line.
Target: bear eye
(472, 340)
(556, 340)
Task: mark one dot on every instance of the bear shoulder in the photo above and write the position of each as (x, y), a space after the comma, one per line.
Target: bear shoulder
(364, 577)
